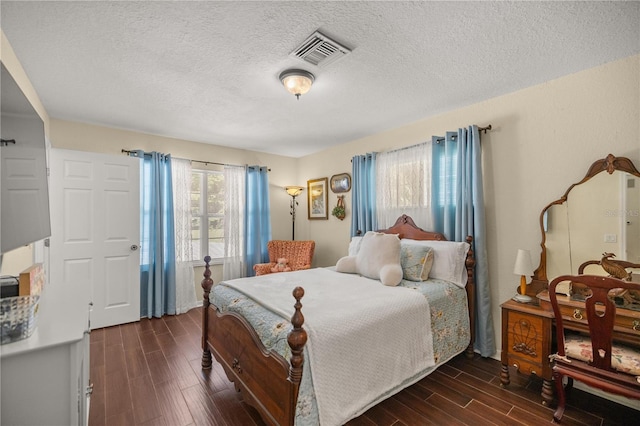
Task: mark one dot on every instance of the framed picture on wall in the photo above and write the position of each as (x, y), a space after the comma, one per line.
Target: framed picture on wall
(318, 198)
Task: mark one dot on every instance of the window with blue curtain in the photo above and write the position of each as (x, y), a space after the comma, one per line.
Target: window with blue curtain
(363, 196)
(157, 236)
(257, 226)
(458, 206)
(444, 185)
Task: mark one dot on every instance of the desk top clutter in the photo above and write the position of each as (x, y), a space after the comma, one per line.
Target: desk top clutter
(19, 312)
(18, 317)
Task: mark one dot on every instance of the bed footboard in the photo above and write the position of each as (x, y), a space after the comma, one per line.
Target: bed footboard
(266, 380)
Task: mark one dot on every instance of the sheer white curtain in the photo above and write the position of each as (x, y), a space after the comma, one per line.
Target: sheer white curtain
(403, 185)
(234, 205)
(181, 185)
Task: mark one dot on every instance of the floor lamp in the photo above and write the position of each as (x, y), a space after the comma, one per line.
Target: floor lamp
(294, 191)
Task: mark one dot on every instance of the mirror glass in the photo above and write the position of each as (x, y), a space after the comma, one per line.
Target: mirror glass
(600, 215)
(24, 194)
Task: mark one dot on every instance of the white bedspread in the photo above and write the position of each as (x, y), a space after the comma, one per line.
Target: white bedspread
(364, 338)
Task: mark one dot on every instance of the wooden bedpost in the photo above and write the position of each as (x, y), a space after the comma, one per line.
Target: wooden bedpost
(470, 264)
(206, 284)
(297, 338)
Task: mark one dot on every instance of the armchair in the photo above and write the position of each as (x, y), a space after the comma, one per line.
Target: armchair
(594, 359)
(298, 253)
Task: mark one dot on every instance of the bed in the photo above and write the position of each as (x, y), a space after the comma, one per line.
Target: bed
(276, 363)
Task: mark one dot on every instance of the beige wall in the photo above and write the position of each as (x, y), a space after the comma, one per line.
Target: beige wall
(544, 138)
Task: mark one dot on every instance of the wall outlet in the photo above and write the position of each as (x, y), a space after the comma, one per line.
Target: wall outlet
(610, 238)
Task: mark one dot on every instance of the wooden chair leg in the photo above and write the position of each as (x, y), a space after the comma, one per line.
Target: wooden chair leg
(558, 377)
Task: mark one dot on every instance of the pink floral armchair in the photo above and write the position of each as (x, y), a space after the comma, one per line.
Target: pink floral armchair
(298, 254)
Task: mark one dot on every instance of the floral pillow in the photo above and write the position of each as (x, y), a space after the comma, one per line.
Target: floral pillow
(416, 261)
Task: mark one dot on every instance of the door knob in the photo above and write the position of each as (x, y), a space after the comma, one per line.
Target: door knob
(134, 247)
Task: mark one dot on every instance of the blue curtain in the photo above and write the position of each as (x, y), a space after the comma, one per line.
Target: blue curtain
(257, 224)
(363, 197)
(458, 210)
(157, 236)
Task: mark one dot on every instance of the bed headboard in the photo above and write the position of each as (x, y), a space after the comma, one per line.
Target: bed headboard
(406, 228)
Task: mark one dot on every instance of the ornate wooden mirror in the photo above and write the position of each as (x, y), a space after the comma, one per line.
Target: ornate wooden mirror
(599, 214)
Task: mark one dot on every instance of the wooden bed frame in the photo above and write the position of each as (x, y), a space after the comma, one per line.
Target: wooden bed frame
(266, 380)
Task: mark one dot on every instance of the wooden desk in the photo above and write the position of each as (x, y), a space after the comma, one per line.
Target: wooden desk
(626, 328)
(528, 335)
(527, 342)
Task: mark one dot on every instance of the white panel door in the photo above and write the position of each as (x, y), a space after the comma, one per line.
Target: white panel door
(95, 220)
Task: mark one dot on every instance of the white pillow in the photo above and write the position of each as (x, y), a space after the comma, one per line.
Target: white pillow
(378, 259)
(448, 260)
(354, 245)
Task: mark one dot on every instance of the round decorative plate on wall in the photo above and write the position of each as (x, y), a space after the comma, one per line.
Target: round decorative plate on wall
(340, 183)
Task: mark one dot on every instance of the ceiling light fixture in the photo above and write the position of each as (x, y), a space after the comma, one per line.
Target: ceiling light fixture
(297, 82)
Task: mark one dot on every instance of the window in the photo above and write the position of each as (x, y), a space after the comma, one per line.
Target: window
(403, 185)
(207, 214)
(447, 177)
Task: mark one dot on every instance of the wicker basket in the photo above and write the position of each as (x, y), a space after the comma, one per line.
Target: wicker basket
(18, 317)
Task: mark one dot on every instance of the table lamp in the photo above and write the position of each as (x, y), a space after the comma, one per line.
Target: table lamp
(523, 267)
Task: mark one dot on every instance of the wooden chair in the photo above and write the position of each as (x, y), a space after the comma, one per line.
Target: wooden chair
(298, 254)
(594, 359)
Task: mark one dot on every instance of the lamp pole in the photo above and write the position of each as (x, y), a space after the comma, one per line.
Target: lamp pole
(293, 217)
(293, 191)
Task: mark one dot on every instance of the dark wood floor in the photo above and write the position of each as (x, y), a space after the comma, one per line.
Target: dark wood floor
(148, 373)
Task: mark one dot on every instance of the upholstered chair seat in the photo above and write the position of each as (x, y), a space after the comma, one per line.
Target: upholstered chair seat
(624, 359)
(298, 254)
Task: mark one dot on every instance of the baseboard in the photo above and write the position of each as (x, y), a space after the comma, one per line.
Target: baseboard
(631, 403)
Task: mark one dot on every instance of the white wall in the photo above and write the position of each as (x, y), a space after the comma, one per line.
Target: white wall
(544, 138)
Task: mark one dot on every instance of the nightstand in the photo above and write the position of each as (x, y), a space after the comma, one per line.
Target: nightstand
(527, 333)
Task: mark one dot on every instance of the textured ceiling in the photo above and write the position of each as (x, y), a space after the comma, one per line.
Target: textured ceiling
(208, 71)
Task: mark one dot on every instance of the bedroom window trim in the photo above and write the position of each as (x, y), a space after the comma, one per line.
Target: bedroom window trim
(202, 249)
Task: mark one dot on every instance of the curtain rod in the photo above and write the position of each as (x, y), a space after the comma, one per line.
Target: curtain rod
(480, 129)
(438, 140)
(206, 163)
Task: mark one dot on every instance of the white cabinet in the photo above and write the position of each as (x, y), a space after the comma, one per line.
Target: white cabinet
(45, 378)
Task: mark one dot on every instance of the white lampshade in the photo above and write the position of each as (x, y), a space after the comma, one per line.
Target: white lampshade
(523, 264)
(294, 191)
(297, 82)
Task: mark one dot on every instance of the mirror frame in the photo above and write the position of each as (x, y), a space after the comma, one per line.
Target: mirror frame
(608, 164)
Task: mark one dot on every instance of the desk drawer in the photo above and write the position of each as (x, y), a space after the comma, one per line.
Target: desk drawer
(526, 367)
(626, 327)
(525, 334)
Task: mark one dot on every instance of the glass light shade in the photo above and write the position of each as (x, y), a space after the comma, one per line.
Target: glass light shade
(294, 191)
(297, 82)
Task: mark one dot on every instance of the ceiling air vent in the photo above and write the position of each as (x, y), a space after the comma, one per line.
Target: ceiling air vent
(320, 50)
